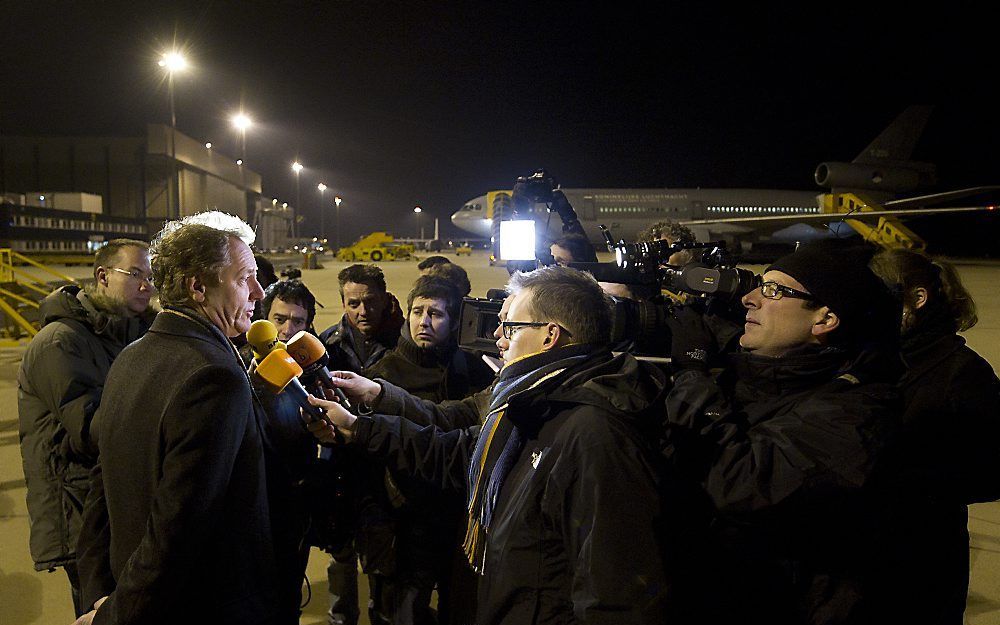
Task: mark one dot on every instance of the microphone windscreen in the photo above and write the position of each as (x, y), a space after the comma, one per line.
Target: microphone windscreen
(278, 369)
(306, 348)
(262, 336)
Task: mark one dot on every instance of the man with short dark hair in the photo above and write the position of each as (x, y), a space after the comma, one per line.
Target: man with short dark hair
(182, 445)
(560, 480)
(290, 306)
(573, 248)
(371, 322)
(61, 382)
(785, 439)
(367, 332)
(452, 273)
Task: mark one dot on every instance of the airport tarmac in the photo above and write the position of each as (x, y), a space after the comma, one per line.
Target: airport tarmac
(28, 597)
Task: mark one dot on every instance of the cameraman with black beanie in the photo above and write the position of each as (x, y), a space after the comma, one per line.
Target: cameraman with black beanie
(784, 439)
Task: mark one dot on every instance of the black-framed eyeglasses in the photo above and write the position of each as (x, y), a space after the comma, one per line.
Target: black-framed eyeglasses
(773, 290)
(135, 274)
(507, 328)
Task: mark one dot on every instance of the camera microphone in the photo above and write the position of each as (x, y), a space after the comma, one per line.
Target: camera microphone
(309, 352)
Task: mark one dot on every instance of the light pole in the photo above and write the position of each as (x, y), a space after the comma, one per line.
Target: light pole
(241, 122)
(173, 62)
(297, 168)
(418, 210)
(322, 212)
(337, 200)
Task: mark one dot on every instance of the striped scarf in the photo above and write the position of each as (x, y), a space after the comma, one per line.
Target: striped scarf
(501, 441)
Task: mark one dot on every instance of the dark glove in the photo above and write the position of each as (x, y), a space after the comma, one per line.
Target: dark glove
(692, 342)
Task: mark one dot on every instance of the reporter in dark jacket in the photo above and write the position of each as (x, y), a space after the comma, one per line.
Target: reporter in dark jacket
(560, 481)
(947, 454)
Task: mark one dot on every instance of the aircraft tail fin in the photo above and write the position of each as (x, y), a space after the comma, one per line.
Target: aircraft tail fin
(897, 142)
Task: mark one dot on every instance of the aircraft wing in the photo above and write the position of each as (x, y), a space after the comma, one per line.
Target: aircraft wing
(947, 196)
(780, 220)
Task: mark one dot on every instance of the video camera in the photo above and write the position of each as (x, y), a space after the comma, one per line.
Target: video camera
(712, 282)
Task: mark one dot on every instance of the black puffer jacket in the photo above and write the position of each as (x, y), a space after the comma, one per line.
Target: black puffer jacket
(573, 536)
(785, 448)
(946, 457)
(59, 389)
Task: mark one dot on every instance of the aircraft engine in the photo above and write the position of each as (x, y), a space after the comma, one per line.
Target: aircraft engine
(868, 177)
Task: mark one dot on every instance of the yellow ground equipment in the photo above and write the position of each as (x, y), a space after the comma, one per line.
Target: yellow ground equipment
(888, 232)
(20, 293)
(375, 247)
(464, 248)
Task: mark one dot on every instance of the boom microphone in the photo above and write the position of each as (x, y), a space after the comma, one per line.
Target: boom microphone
(263, 337)
(280, 371)
(309, 352)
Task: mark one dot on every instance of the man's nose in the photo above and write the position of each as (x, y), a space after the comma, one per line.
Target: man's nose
(256, 291)
(751, 299)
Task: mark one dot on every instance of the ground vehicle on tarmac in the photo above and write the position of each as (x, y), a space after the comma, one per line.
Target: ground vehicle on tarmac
(375, 247)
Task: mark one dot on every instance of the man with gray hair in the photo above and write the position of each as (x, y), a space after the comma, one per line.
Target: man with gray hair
(560, 480)
(182, 444)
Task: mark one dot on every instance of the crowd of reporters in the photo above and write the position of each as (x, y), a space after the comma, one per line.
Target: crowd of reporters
(808, 460)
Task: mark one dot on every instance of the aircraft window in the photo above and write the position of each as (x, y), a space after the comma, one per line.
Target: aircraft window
(479, 207)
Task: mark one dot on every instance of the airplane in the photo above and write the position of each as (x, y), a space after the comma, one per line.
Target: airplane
(747, 217)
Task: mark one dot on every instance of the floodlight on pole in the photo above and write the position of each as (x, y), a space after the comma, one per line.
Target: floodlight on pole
(241, 121)
(322, 211)
(297, 168)
(173, 62)
(337, 200)
(418, 210)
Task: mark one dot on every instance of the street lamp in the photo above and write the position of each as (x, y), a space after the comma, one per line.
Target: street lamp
(173, 62)
(297, 168)
(337, 200)
(322, 211)
(241, 122)
(418, 210)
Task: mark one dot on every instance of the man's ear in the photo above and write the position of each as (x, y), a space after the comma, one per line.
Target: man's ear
(552, 334)
(828, 322)
(101, 275)
(919, 297)
(195, 288)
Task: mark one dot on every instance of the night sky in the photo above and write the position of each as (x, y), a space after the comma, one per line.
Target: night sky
(432, 103)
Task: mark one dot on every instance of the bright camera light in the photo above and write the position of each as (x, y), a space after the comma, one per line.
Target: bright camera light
(208, 145)
(517, 240)
(297, 167)
(417, 209)
(321, 187)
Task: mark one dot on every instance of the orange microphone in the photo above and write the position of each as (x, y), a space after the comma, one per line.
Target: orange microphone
(280, 371)
(309, 352)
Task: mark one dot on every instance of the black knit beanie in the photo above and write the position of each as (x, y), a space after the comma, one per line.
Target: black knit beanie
(836, 273)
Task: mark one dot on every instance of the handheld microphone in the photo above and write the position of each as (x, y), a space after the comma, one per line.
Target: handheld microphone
(263, 337)
(309, 352)
(280, 371)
